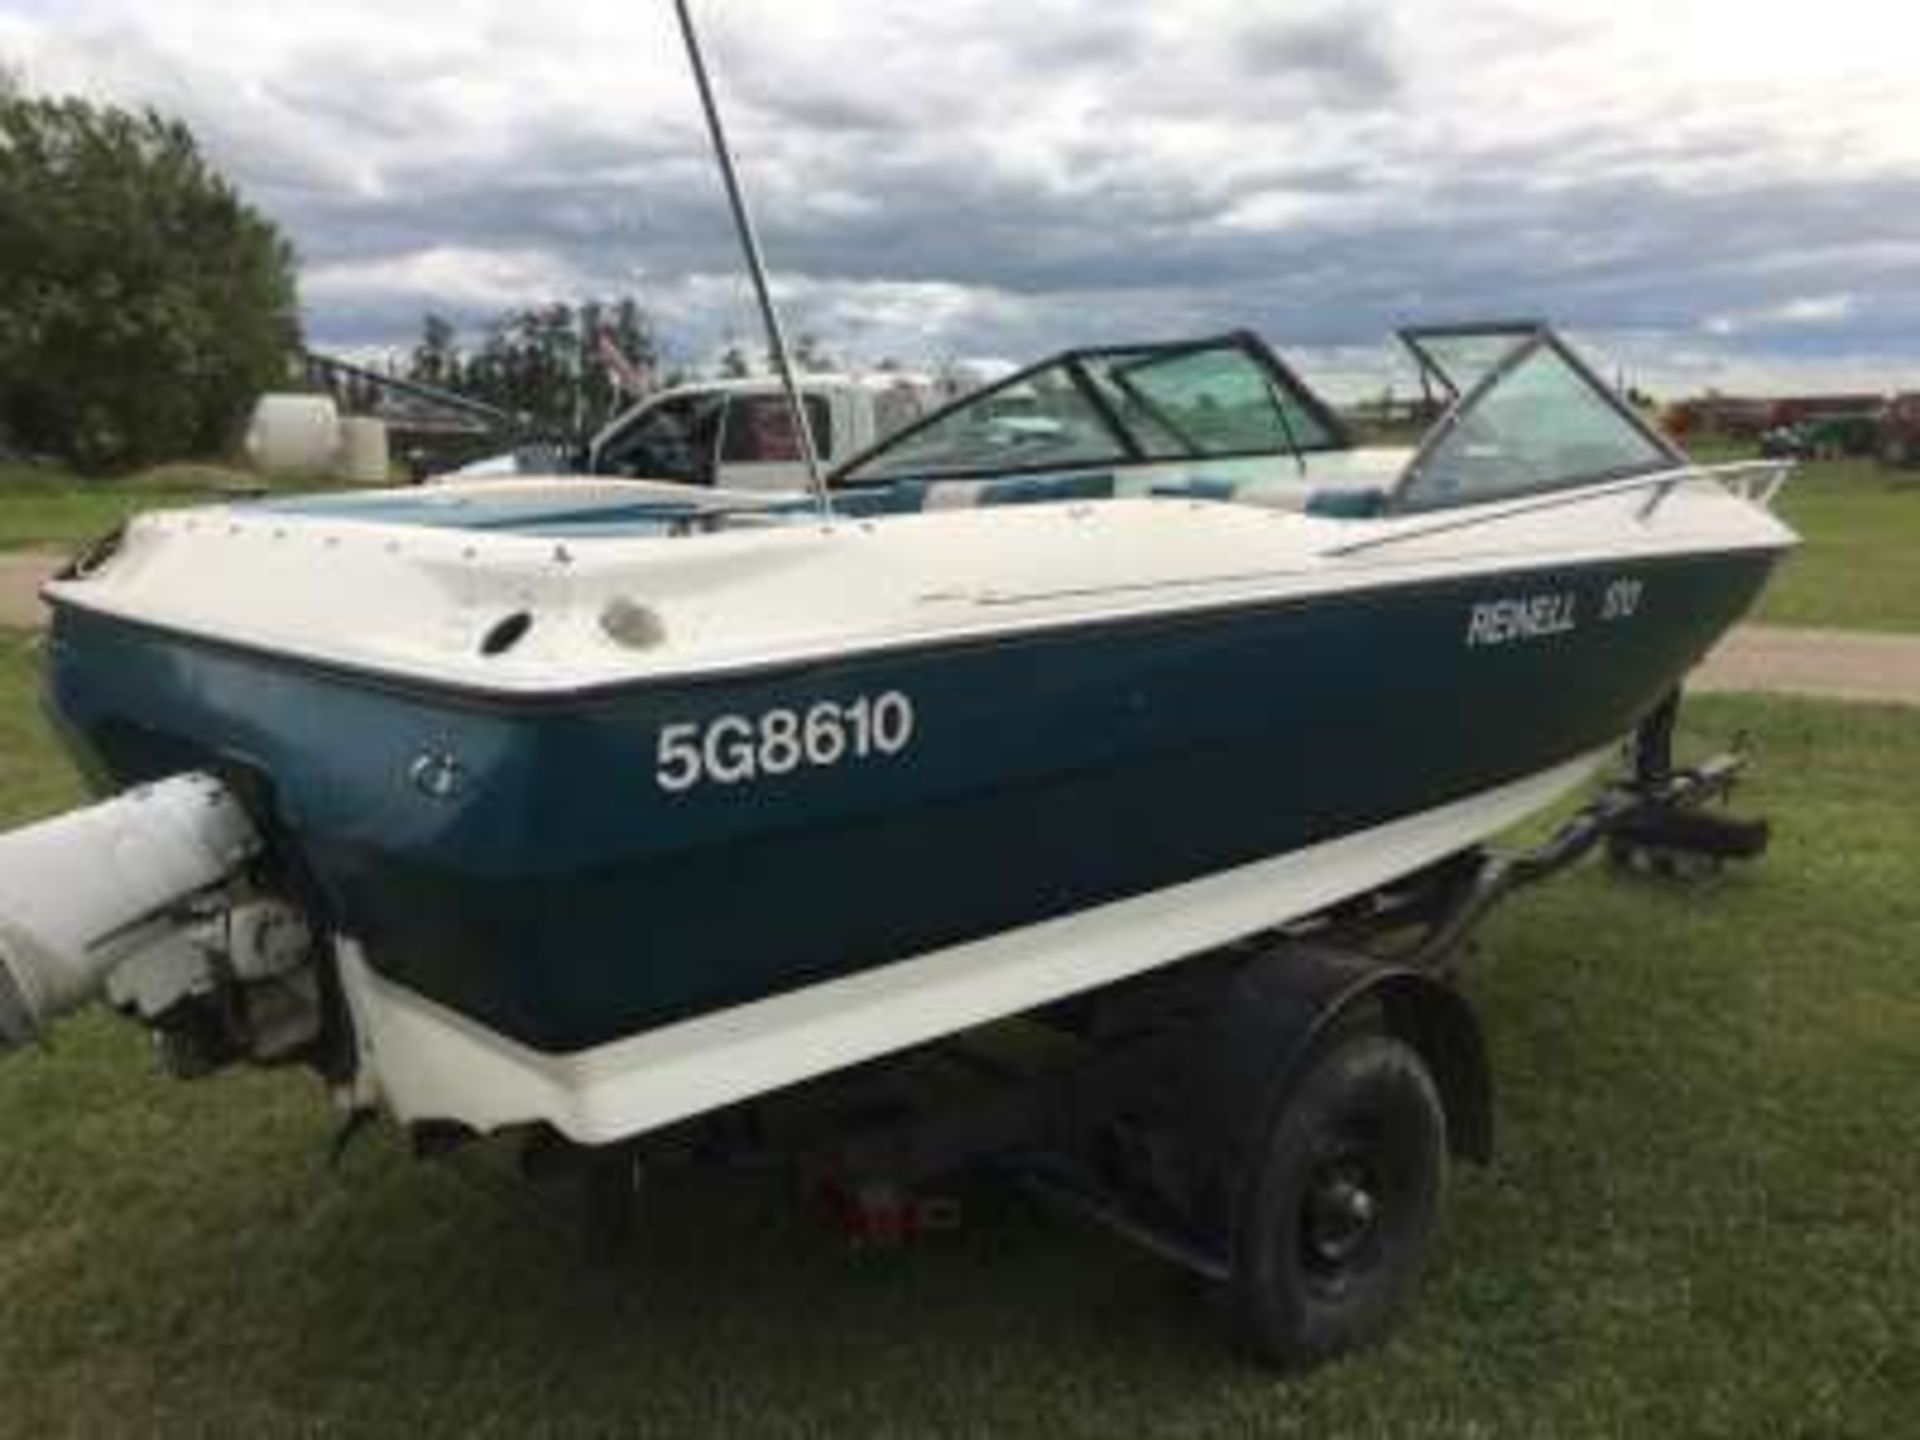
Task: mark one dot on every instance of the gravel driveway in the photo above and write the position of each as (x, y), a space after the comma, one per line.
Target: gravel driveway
(1835, 664)
(21, 574)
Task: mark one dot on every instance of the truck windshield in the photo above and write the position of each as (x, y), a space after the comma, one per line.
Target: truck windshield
(673, 440)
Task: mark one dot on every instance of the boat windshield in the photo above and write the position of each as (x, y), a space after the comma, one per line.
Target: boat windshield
(1536, 419)
(1459, 357)
(1125, 405)
(1044, 420)
(1210, 402)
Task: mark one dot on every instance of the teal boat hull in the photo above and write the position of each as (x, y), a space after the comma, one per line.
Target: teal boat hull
(518, 859)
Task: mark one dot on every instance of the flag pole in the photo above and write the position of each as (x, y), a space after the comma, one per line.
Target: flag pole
(750, 243)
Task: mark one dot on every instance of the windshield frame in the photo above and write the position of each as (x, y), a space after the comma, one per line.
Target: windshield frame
(1129, 450)
(1531, 337)
(1413, 336)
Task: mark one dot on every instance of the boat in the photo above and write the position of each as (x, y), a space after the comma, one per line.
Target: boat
(1129, 697)
(600, 804)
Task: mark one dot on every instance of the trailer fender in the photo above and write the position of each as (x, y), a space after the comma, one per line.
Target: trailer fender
(1282, 1008)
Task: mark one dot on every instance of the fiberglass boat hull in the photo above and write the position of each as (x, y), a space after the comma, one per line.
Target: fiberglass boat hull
(522, 860)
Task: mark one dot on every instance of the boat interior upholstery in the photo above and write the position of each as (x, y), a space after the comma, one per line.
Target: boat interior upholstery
(1337, 483)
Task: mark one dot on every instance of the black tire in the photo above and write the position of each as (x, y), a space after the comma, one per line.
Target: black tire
(1342, 1192)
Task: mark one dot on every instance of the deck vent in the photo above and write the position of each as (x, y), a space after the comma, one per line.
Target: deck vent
(631, 624)
(507, 632)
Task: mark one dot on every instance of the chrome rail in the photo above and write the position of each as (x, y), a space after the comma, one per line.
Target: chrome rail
(1755, 481)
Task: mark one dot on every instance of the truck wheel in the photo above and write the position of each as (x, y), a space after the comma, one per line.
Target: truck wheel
(1341, 1195)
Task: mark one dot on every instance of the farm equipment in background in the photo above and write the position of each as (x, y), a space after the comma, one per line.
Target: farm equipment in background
(1899, 438)
(1843, 435)
(1806, 427)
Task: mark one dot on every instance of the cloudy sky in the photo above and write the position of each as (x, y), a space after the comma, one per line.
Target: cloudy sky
(1707, 191)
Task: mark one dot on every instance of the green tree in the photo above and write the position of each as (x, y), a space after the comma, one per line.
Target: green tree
(810, 355)
(436, 359)
(143, 305)
(544, 362)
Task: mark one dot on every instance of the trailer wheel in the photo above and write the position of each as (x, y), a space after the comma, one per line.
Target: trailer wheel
(1341, 1195)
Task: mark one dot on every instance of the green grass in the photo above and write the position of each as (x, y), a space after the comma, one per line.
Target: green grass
(42, 508)
(35, 778)
(1704, 1218)
(1860, 566)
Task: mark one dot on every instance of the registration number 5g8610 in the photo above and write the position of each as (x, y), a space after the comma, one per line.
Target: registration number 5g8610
(734, 749)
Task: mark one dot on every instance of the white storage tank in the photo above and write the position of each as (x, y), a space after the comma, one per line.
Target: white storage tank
(364, 459)
(295, 435)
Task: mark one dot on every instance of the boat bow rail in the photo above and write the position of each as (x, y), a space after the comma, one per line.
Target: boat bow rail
(1754, 482)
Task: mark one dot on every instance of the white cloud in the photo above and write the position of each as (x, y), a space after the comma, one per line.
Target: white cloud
(1103, 168)
(449, 276)
(1800, 311)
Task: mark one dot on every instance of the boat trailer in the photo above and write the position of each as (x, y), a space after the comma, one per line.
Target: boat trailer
(1275, 1117)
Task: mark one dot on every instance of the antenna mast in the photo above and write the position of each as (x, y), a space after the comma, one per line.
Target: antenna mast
(750, 243)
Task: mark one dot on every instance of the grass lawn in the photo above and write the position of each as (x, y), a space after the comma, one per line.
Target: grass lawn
(53, 509)
(1704, 1220)
(1860, 566)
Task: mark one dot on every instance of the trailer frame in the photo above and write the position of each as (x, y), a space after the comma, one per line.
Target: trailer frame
(1156, 1107)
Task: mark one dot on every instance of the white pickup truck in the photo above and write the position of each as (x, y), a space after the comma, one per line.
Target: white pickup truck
(739, 434)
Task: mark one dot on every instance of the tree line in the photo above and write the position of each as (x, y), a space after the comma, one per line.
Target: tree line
(566, 369)
(559, 367)
(143, 304)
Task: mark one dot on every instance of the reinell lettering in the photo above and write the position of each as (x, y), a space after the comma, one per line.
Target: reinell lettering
(1497, 622)
(1535, 617)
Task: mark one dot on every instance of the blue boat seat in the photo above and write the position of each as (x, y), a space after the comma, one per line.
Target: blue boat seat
(1045, 489)
(907, 497)
(903, 497)
(1196, 487)
(1347, 502)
